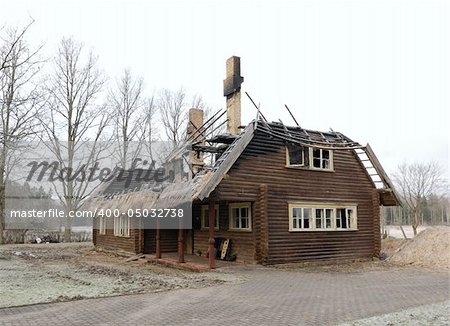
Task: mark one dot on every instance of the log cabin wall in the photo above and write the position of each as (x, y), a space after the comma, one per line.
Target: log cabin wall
(243, 242)
(109, 241)
(169, 241)
(264, 162)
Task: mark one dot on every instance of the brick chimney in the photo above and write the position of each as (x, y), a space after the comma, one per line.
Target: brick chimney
(196, 134)
(232, 91)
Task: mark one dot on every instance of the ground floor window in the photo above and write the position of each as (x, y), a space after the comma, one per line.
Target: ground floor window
(101, 224)
(205, 217)
(329, 217)
(122, 226)
(240, 216)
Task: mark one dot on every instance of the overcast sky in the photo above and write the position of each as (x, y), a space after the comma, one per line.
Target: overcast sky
(377, 71)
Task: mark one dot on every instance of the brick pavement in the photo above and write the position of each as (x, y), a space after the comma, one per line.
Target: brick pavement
(267, 297)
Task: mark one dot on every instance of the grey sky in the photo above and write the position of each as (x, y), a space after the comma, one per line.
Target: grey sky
(378, 71)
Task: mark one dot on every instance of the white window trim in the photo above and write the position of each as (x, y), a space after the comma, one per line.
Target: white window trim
(288, 160)
(312, 221)
(101, 225)
(122, 226)
(204, 217)
(311, 160)
(330, 159)
(230, 216)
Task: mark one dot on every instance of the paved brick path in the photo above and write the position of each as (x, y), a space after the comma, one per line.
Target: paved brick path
(267, 297)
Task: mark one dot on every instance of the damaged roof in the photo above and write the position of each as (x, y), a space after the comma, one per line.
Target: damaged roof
(205, 182)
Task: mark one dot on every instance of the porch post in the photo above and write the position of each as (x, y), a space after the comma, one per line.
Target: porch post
(158, 239)
(212, 219)
(180, 241)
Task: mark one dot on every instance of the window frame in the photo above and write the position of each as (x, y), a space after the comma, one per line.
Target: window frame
(204, 217)
(232, 206)
(122, 226)
(305, 160)
(332, 207)
(311, 159)
(102, 225)
(308, 162)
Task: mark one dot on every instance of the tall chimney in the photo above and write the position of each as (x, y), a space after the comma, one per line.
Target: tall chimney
(232, 91)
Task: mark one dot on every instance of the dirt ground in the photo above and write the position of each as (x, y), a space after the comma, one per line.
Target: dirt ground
(61, 272)
(429, 249)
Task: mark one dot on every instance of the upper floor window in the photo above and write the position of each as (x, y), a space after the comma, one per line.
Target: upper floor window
(297, 155)
(328, 217)
(321, 158)
(309, 157)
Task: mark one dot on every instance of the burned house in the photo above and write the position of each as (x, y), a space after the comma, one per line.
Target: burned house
(275, 193)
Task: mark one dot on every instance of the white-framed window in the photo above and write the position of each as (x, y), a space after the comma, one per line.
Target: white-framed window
(122, 226)
(322, 217)
(101, 224)
(301, 217)
(321, 159)
(309, 157)
(345, 218)
(205, 217)
(240, 216)
(296, 155)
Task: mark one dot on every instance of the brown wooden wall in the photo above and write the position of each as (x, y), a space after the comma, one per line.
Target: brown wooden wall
(263, 163)
(131, 244)
(243, 242)
(169, 241)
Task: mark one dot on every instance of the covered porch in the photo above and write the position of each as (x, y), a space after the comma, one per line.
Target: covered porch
(184, 245)
(222, 227)
(191, 262)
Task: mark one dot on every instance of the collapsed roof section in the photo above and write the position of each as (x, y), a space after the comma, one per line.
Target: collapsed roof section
(227, 147)
(202, 184)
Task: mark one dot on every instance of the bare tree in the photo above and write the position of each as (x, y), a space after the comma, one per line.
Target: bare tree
(416, 183)
(173, 111)
(20, 101)
(75, 123)
(130, 115)
(150, 131)
(197, 102)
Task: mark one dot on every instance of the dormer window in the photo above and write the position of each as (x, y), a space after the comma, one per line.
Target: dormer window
(297, 155)
(309, 157)
(321, 158)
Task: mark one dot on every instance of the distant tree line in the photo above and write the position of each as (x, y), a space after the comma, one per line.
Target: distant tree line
(436, 211)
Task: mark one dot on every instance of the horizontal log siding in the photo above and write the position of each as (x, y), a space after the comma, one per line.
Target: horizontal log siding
(263, 162)
(109, 241)
(169, 241)
(243, 243)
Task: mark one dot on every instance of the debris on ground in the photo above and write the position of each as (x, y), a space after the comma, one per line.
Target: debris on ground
(390, 246)
(430, 248)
